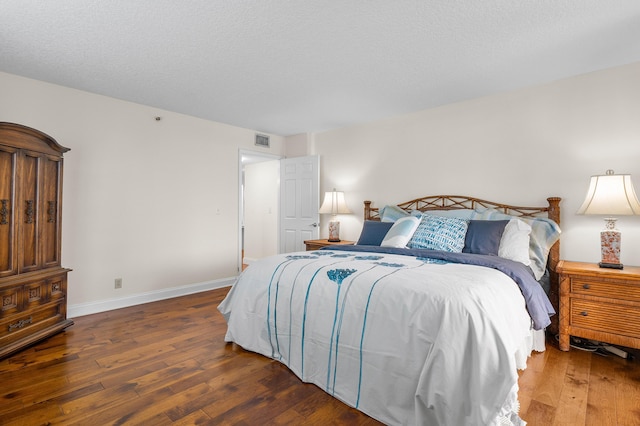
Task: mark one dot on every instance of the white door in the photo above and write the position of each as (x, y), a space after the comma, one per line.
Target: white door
(299, 202)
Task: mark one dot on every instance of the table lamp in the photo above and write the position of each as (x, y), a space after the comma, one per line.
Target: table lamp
(334, 204)
(610, 195)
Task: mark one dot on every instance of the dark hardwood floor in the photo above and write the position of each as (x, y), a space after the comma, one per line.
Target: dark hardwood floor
(167, 363)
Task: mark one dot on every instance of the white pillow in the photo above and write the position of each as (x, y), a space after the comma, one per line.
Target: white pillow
(544, 234)
(401, 232)
(514, 243)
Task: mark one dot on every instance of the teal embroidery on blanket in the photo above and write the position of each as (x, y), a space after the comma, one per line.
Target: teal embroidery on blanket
(371, 257)
(391, 265)
(337, 276)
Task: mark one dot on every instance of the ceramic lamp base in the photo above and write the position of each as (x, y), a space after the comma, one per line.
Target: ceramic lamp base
(610, 248)
(334, 232)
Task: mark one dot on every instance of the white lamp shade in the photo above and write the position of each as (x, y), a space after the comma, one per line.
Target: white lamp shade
(334, 203)
(611, 194)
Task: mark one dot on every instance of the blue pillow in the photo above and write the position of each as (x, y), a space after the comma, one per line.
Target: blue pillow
(373, 232)
(440, 233)
(483, 236)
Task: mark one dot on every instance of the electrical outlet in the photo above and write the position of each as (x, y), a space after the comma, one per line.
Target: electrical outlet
(118, 283)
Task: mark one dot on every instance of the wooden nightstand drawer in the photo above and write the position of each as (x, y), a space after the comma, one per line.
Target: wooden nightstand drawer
(612, 289)
(607, 317)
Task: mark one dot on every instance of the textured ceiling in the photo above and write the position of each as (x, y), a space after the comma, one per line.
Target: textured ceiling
(291, 66)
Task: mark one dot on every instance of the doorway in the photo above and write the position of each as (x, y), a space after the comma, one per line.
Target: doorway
(259, 186)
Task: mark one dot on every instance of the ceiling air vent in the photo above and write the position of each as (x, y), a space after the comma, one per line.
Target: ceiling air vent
(262, 140)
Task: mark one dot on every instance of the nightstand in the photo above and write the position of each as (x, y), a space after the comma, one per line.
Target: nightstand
(600, 304)
(318, 244)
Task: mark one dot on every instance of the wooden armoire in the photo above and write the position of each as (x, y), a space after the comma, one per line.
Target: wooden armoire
(33, 284)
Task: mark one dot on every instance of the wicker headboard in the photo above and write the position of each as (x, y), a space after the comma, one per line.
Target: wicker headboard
(456, 202)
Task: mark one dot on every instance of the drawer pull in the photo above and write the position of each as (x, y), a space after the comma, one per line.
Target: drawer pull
(18, 325)
(586, 286)
(4, 212)
(584, 313)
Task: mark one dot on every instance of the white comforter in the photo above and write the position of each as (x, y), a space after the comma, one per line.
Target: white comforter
(404, 340)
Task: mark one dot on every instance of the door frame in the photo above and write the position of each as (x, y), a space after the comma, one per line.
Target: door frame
(255, 157)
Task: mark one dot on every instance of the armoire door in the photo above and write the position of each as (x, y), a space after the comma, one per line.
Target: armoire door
(8, 160)
(27, 212)
(50, 195)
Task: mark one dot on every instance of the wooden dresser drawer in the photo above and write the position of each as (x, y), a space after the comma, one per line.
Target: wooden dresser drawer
(24, 296)
(611, 289)
(18, 326)
(607, 317)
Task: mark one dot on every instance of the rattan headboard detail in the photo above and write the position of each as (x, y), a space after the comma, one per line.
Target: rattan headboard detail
(455, 202)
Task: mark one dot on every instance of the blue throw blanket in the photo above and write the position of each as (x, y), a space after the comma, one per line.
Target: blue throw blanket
(538, 304)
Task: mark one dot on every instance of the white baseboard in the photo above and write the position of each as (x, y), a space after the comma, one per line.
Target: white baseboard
(81, 309)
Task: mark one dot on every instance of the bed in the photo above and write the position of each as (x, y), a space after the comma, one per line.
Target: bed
(410, 325)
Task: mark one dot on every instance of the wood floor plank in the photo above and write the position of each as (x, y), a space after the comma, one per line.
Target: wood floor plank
(540, 414)
(167, 363)
(197, 418)
(134, 355)
(164, 377)
(117, 374)
(575, 390)
(40, 414)
(548, 390)
(128, 411)
(530, 378)
(106, 399)
(186, 402)
(601, 401)
(627, 395)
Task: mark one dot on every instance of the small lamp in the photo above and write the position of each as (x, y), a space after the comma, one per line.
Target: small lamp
(334, 204)
(610, 194)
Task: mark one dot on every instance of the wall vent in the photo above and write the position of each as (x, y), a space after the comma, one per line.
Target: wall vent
(262, 140)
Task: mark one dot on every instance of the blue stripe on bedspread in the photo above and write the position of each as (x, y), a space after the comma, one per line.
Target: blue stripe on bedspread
(537, 301)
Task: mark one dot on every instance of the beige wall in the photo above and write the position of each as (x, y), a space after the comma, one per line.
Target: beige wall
(156, 203)
(518, 147)
(152, 202)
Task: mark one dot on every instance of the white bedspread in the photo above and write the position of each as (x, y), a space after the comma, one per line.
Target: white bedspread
(406, 341)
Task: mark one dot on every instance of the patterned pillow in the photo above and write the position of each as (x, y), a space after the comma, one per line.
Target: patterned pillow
(440, 233)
